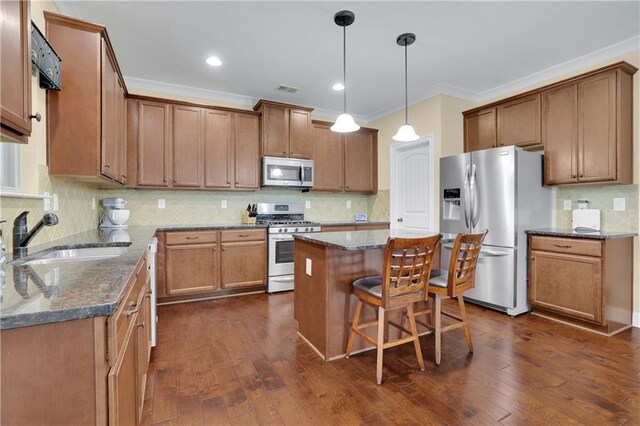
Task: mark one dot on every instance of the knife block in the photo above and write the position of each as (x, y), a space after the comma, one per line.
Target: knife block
(246, 220)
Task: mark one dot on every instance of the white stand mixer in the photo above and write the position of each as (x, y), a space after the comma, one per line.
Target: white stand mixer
(115, 215)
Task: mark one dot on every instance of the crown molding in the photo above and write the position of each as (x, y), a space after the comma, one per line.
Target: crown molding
(134, 83)
(593, 59)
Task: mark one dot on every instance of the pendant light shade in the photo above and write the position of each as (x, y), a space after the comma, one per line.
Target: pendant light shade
(406, 132)
(344, 123)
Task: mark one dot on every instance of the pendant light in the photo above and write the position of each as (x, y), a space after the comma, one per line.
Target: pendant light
(406, 132)
(344, 123)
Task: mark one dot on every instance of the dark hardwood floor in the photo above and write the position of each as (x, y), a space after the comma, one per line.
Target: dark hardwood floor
(239, 361)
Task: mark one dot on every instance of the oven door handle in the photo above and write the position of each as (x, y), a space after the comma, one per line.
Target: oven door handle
(281, 280)
(283, 238)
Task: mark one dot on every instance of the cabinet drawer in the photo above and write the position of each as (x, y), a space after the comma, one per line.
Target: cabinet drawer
(567, 245)
(242, 235)
(121, 319)
(192, 237)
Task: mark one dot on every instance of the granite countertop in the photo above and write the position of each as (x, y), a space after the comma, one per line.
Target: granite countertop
(358, 240)
(45, 293)
(353, 223)
(602, 235)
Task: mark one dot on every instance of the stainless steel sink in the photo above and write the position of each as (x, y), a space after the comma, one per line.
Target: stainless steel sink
(72, 255)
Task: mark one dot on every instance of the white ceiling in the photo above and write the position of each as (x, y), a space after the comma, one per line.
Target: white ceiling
(473, 50)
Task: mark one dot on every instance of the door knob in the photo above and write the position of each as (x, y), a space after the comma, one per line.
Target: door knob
(400, 219)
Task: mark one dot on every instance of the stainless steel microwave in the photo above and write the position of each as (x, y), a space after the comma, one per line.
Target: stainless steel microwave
(289, 172)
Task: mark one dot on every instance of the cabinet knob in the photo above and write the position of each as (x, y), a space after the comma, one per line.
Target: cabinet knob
(141, 325)
(37, 116)
(581, 174)
(284, 152)
(573, 176)
(107, 166)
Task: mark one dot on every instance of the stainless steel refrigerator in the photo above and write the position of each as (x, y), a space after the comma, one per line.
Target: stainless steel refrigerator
(499, 189)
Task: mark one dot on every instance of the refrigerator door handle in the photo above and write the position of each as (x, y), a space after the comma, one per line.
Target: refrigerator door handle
(474, 197)
(467, 201)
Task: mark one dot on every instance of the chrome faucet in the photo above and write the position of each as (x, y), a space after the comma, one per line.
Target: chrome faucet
(22, 236)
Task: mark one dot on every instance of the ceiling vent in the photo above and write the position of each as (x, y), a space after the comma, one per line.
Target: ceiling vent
(288, 89)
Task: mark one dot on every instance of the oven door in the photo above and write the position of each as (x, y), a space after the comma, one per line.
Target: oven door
(280, 255)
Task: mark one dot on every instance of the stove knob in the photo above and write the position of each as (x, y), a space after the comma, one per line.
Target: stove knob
(296, 230)
(280, 230)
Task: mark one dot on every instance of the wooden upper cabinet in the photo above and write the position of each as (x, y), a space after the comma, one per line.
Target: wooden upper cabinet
(247, 151)
(597, 128)
(361, 161)
(286, 130)
(85, 119)
(108, 158)
(300, 145)
(218, 148)
(186, 145)
(560, 135)
(275, 131)
(480, 130)
(121, 136)
(587, 128)
(15, 70)
(519, 122)
(153, 143)
(327, 159)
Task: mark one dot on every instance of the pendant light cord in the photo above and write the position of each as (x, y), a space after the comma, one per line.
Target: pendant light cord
(406, 90)
(344, 65)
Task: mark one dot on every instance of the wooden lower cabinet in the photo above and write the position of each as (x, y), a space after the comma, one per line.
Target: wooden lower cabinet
(89, 371)
(202, 264)
(191, 268)
(243, 264)
(586, 282)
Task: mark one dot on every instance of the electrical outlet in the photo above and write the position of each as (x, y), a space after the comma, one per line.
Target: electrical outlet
(47, 202)
(348, 204)
(307, 204)
(93, 203)
(56, 206)
(619, 204)
(567, 204)
(223, 204)
(161, 203)
(308, 267)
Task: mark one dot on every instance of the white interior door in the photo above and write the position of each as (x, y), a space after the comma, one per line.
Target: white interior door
(412, 185)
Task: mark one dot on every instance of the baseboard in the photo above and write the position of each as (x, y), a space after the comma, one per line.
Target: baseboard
(636, 319)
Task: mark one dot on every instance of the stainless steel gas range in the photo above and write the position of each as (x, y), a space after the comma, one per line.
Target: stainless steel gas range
(283, 221)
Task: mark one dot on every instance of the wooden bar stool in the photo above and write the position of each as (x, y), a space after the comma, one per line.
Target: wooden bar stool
(452, 283)
(403, 282)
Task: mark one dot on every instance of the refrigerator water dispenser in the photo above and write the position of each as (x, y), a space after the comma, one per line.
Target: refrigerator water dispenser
(451, 206)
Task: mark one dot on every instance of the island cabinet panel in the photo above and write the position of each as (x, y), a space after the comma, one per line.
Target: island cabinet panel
(480, 130)
(344, 163)
(286, 130)
(153, 148)
(327, 159)
(15, 70)
(85, 118)
(191, 268)
(585, 282)
(519, 122)
(218, 148)
(187, 149)
(324, 303)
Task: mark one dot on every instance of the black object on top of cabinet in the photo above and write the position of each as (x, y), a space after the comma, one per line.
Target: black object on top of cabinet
(46, 60)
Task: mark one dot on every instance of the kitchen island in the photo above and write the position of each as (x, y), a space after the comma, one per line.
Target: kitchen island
(326, 264)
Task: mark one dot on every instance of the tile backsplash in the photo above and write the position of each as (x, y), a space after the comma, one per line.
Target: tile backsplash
(74, 210)
(201, 207)
(601, 197)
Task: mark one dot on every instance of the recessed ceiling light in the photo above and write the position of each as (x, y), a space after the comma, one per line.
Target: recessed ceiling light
(214, 61)
(338, 86)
